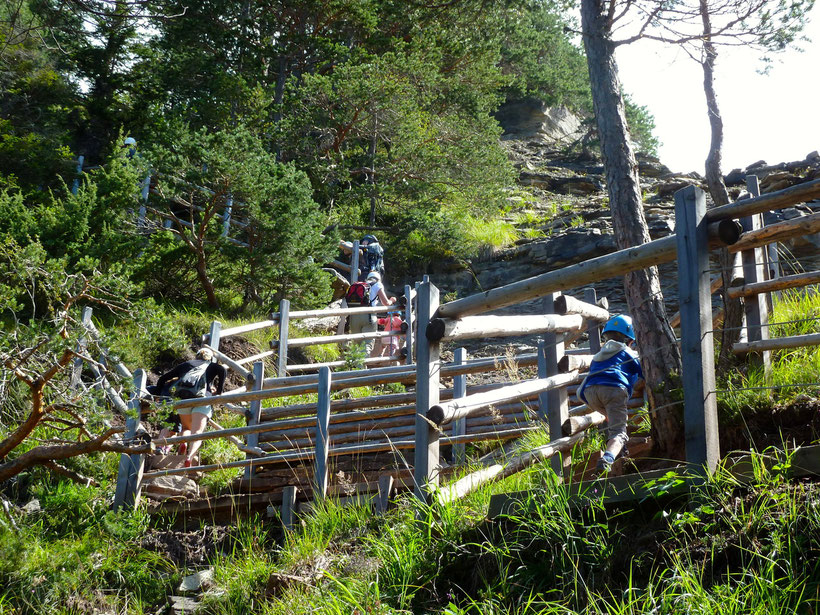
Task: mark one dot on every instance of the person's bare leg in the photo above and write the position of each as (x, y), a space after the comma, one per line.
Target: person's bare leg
(198, 423)
(185, 420)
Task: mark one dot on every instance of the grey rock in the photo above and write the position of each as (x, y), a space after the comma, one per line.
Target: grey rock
(32, 506)
(197, 582)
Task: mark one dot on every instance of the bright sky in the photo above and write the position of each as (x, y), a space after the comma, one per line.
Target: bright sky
(770, 117)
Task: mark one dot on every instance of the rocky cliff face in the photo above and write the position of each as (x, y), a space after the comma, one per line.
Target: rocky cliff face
(561, 206)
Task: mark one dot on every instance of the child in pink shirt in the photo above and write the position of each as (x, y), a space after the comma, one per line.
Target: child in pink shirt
(392, 344)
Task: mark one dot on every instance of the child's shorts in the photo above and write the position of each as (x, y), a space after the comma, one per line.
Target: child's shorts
(208, 411)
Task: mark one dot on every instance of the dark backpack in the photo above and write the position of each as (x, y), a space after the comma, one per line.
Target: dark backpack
(358, 294)
(374, 258)
(193, 383)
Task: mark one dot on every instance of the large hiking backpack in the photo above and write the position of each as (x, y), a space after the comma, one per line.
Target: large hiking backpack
(374, 258)
(193, 383)
(358, 294)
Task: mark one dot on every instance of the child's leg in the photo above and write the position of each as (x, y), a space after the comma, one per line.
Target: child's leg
(616, 413)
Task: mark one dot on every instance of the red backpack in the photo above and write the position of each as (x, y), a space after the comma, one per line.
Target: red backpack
(358, 294)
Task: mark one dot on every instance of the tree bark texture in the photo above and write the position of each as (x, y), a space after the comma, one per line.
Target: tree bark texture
(660, 357)
(732, 308)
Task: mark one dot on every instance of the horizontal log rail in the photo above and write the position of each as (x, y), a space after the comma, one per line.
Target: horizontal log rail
(320, 340)
(574, 424)
(777, 343)
(567, 304)
(338, 451)
(471, 327)
(782, 231)
(797, 280)
(305, 367)
(573, 362)
(480, 426)
(767, 202)
(221, 356)
(441, 414)
(612, 265)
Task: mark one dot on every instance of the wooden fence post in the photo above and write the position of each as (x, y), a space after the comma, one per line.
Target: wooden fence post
(697, 344)
(214, 334)
(385, 489)
(754, 267)
(408, 318)
(322, 438)
(226, 215)
(254, 414)
(553, 406)
(771, 257)
(354, 263)
(288, 507)
(75, 187)
(459, 425)
(284, 327)
(593, 328)
(428, 368)
(146, 188)
(77, 367)
(129, 474)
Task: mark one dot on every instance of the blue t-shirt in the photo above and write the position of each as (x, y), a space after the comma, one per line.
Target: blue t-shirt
(616, 365)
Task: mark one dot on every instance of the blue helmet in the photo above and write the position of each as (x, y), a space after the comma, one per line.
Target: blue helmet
(369, 239)
(622, 324)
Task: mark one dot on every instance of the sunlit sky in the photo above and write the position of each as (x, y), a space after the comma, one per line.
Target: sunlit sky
(770, 117)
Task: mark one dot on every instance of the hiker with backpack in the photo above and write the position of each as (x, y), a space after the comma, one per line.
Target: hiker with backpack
(200, 377)
(372, 257)
(366, 294)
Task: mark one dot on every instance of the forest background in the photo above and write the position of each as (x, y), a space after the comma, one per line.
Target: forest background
(308, 114)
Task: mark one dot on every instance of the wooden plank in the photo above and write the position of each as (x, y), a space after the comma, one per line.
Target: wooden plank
(449, 330)
(428, 373)
(777, 343)
(284, 327)
(459, 391)
(254, 414)
(322, 438)
(797, 280)
(697, 346)
(215, 334)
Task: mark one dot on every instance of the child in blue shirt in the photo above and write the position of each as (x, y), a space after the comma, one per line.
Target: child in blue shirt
(608, 387)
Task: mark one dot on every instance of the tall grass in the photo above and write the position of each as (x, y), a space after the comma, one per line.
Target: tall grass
(748, 388)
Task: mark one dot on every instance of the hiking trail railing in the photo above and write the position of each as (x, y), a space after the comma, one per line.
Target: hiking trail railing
(432, 415)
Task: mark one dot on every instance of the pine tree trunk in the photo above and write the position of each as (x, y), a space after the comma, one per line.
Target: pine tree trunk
(660, 357)
(732, 308)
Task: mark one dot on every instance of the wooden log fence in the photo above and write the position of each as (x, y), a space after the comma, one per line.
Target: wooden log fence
(335, 428)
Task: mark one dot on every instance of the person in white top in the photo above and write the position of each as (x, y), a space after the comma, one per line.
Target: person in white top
(367, 323)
